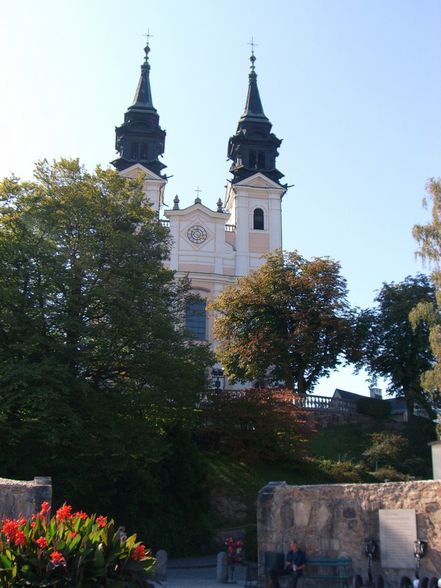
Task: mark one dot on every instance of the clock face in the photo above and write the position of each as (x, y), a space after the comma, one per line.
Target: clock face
(197, 234)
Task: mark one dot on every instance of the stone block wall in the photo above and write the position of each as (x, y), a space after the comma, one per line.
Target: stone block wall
(334, 520)
(23, 498)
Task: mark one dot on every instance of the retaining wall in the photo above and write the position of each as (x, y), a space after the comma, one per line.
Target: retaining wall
(334, 520)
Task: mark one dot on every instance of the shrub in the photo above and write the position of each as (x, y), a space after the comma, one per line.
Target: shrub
(255, 424)
(70, 549)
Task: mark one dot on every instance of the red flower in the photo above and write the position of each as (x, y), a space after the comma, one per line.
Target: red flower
(81, 515)
(45, 508)
(41, 542)
(20, 538)
(64, 513)
(101, 521)
(72, 534)
(138, 553)
(10, 528)
(57, 558)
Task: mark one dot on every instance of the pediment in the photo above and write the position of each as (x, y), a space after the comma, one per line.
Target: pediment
(259, 181)
(136, 169)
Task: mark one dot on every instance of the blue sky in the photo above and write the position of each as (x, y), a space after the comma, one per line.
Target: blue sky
(353, 87)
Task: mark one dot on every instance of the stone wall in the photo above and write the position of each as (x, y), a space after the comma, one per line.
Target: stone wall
(23, 498)
(334, 520)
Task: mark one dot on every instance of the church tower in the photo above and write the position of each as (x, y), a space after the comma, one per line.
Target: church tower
(140, 140)
(212, 246)
(255, 194)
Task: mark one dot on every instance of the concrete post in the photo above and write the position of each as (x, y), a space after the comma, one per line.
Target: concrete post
(161, 565)
(222, 568)
(436, 459)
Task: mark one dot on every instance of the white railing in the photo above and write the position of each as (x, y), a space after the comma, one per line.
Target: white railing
(325, 403)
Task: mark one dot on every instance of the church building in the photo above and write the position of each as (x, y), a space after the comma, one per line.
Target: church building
(213, 247)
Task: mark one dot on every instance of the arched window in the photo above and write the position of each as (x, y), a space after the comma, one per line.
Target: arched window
(196, 320)
(258, 219)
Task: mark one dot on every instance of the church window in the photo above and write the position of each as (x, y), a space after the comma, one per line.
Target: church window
(134, 151)
(196, 320)
(258, 219)
(253, 159)
(144, 151)
(261, 160)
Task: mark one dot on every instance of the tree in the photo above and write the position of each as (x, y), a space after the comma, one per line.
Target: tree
(287, 322)
(255, 424)
(428, 237)
(394, 349)
(94, 363)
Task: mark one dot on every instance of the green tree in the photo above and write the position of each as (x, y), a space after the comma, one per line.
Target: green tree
(287, 322)
(428, 237)
(94, 363)
(394, 349)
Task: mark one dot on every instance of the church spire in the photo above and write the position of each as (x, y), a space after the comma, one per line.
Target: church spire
(253, 105)
(140, 139)
(143, 94)
(253, 148)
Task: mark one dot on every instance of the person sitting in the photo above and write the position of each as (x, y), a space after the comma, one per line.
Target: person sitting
(294, 565)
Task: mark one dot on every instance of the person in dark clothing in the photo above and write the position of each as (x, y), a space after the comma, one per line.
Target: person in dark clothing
(294, 565)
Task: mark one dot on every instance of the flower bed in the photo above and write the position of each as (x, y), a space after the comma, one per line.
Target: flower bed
(71, 549)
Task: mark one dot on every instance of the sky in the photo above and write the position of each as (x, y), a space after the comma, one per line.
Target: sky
(353, 87)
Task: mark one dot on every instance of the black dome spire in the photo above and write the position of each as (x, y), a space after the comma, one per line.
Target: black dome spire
(253, 148)
(140, 139)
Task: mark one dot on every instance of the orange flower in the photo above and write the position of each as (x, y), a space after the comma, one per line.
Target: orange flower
(101, 521)
(138, 553)
(57, 558)
(10, 528)
(64, 513)
(81, 515)
(45, 508)
(20, 538)
(41, 542)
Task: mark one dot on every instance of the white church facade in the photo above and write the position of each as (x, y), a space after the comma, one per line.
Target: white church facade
(212, 247)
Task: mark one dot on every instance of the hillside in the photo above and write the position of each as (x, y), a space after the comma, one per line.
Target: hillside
(337, 454)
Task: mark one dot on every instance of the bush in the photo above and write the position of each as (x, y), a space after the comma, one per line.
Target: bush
(390, 474)
(255, 424)
(70, 550)
(342, 472)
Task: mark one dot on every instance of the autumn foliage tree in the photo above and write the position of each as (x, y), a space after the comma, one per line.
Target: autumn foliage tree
(255, 424)
(288, 322)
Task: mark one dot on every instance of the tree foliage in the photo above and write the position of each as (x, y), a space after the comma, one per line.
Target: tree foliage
(428, 237)
(255, 424)
(94, 363)
(394, 349)
(287, 322)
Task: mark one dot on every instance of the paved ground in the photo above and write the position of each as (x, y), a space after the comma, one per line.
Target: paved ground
(197, 573)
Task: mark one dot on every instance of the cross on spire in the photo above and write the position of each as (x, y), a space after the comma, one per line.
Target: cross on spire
(253, 44)
(148, 36)
(198, 191)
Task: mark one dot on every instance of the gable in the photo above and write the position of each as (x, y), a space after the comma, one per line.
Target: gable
(259, 181)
